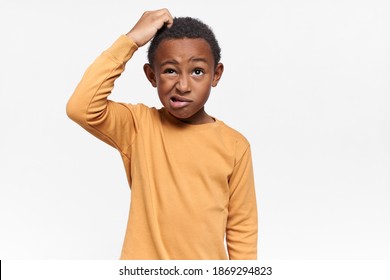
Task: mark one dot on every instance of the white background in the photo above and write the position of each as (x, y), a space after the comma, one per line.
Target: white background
(307, 82)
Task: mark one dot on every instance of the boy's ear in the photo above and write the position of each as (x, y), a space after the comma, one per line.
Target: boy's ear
(217, 74)
(148, 69)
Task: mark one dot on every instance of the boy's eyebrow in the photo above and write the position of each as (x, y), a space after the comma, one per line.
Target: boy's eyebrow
(175, 62)
(169, 61)
(201, 59)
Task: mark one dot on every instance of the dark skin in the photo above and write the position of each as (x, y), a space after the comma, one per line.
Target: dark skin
(184, 73)
(183, 70)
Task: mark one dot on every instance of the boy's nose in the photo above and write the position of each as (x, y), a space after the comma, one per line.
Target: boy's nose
(183, 84)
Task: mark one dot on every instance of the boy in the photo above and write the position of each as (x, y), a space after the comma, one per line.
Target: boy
(190, 175)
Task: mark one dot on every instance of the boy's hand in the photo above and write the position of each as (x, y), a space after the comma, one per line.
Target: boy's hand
(148, 25)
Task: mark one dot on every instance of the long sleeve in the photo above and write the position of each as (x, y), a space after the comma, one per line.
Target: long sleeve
(89, 107)
(242, 224)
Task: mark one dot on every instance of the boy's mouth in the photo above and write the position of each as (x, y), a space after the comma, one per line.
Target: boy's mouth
(178, 102)
(179, 99)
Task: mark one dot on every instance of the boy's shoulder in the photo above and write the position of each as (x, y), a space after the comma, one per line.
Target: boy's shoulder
(232, 133)
(225, 131)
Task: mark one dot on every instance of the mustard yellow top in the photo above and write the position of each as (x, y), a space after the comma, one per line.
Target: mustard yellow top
(192, 186)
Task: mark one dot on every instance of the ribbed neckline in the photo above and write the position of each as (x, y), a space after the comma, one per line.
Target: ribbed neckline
(182, 125)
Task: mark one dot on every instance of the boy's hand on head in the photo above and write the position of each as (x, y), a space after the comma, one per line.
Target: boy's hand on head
(148, 25)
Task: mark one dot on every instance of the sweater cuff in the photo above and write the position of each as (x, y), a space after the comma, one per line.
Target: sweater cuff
(123, 49)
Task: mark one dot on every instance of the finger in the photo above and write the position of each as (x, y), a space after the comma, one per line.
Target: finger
(169, 22)
(166, 17)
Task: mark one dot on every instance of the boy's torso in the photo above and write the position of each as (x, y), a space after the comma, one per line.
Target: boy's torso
(179, 176)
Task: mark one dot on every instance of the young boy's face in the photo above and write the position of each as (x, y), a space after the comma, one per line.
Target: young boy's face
(184, 73)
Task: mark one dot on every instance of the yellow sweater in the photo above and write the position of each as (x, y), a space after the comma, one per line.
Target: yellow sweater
(191, 186)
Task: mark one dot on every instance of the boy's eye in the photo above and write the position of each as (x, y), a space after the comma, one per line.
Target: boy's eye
(198, 72)
(169, 71)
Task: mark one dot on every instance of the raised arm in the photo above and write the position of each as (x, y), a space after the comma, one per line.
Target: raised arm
(89, 106)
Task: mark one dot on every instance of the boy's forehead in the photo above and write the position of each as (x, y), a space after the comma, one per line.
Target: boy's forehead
(183, 47)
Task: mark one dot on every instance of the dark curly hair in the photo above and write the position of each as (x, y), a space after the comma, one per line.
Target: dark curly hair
(185, 27)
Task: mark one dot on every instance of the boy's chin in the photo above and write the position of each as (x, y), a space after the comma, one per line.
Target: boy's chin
(199, 117)
(185, 118)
